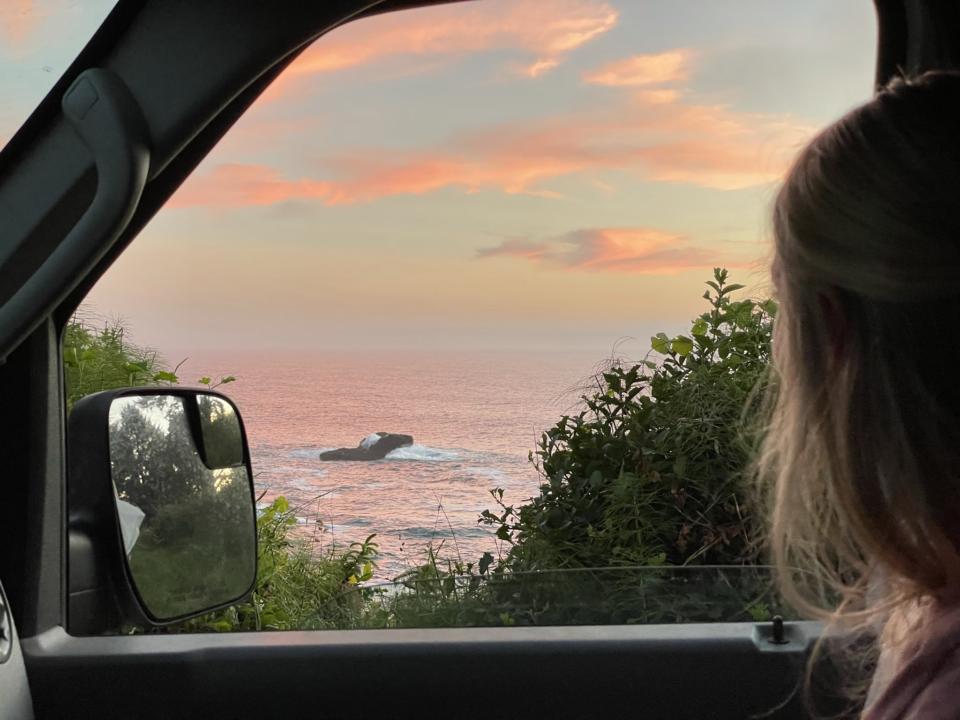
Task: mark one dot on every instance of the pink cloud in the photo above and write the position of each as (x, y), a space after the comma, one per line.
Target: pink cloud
(655, 136)
(545, 29)
(235, 185)
(540, 67)
(19, 19)
(641, 251)
(666, 67)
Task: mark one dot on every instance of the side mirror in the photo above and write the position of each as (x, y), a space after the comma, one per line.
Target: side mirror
(162, 518)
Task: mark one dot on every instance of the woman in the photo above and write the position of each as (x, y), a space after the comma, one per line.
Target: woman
(864, 443)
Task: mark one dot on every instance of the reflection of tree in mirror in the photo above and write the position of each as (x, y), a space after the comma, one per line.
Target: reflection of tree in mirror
(220, 427)
(196, 542)
(148, 452)
(199, 552)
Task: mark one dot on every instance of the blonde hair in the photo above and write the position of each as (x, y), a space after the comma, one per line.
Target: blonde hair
(863, 446)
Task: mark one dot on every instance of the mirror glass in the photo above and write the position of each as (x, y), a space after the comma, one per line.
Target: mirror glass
(187, 521)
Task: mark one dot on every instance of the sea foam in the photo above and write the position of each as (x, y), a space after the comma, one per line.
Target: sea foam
(422, 453)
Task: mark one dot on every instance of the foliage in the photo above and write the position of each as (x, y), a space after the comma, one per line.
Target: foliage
(97, 358)
(587, 596)
(298, 585)
(652, 470)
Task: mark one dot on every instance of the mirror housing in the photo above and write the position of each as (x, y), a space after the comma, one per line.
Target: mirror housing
(161, 510)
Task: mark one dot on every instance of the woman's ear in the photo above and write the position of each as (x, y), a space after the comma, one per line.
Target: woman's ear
(835, 321)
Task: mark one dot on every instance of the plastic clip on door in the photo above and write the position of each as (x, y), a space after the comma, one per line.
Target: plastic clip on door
(15, 701)
(107, 118)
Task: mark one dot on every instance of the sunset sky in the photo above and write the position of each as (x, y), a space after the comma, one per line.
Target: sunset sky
(502, 173)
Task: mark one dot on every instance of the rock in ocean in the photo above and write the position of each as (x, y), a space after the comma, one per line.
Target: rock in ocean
(373, 447)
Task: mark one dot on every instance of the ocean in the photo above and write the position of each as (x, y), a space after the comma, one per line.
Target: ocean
(474, 418)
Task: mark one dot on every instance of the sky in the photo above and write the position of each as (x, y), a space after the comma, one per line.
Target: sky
(502, 174)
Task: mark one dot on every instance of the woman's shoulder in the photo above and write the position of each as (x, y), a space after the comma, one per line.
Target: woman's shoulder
(925, 684)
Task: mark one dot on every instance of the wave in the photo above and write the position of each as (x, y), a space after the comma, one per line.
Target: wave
(441, 533)
(488, 473)
(410, 452)
(423, 453)
(268, 469)
(415, 452)
(309, 453)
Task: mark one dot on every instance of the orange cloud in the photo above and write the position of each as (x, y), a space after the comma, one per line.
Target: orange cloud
(19, 19)
(657, 137)
(641, 251)
(540, 67)
(235, 185)
(656, 69)
(545, 29)
(660, 96)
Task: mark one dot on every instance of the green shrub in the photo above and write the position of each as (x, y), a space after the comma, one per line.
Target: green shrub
(101, 358)
(300, 587)
(652, 471)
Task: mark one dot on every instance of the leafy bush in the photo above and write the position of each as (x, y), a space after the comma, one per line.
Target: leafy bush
(96, 359)
(652, 471)
(300, 587)
(588, 596)
(102, 357)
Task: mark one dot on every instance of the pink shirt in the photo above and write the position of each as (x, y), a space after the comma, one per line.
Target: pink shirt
(924, 677)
